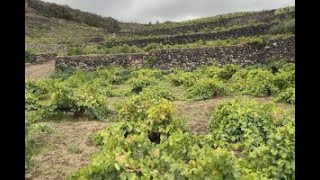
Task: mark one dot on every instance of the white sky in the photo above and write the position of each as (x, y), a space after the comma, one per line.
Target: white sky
(143, 11)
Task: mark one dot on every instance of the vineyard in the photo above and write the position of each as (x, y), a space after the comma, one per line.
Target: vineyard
(246, 138)
(175, 116)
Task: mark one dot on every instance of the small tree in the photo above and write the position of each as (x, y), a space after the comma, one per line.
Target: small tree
(150, 22)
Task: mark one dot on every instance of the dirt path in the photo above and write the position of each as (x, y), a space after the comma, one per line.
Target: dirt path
(65, 149)
(39, 71)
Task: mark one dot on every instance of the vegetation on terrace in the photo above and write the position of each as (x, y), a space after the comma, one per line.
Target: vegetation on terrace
(249, 134)
(205, 30)
(149, 140)
(94, 49)
(169, 24)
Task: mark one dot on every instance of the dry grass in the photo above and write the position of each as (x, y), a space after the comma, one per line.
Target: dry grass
(197, 113)
(39, 71)
(64, 150)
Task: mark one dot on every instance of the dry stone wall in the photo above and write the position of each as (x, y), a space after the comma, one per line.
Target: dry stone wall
(265, 16)
(49, 48)
(42, 58)
(261, 29)
(188, 59)
(52, 48)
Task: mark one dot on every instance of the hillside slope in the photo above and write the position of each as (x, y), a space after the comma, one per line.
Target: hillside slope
(43, 30)
(47, 23)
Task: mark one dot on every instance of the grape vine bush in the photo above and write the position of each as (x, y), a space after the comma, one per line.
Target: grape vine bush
(205, 88)
(266, 140)
(247, 139)
(151, 143)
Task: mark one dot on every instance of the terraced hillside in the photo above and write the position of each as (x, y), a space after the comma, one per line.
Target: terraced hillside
(80, 38)
(211, 98)
(213, 23)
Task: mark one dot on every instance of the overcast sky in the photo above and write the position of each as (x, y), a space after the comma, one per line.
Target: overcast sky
(143, 11)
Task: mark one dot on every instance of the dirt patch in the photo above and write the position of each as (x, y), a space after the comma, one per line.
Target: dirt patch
(65, 149)
(197, 113)
(39, 71)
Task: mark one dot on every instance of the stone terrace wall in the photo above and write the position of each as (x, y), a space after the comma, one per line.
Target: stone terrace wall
(247, 54)
(50, 48)
(265, 16)
(188, 58)
(42, 58)
(191, 38)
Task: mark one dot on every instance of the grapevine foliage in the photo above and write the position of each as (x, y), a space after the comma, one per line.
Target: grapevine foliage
(247, 139)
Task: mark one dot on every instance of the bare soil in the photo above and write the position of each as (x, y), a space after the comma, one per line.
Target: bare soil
(39, 71)
(197, 113)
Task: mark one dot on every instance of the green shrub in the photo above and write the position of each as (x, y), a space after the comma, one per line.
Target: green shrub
(157, 92)
(135, 49)
(207, 30)
(125, 49)
(179, 78)
(275, 63)
(284, 79)
(157, 112)
(276, 159)
(284, 10)
(284, 27)
(228, 71)
(201, 42)
(208, 71)
(80, 100)
(255, 82)
(134, 109)
(175, 158)
(288, 67)
(75, 51)
(152, 46)
(41, 87)
(120, 77)
(80, 77)
(148, 73)
(28, 56)
(140, 83)
(31, 101)
(151, 144)
(206, 88)
(151, 61)
(287, 96)
(180, 34)
(244, 121)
